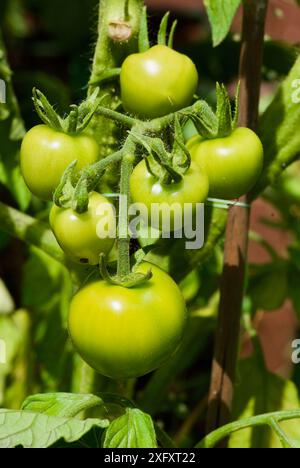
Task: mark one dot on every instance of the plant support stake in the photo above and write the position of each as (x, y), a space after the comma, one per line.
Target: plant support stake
(236, 243)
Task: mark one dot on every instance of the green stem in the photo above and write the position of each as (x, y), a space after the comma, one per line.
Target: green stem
(31, 231)
(123, 232)
(110, 54)
(73, 120)
(116, 117)
(224, 432)
(282, 436)
(92, 174)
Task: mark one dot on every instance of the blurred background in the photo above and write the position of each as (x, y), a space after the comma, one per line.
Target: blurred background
(50, 45)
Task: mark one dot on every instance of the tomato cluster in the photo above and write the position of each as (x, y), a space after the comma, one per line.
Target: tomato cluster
(120, 330)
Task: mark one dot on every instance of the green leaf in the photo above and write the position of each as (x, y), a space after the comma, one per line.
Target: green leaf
(64, 405)
(132, 430)
(258, 392)
(33, 430)
(221, 14)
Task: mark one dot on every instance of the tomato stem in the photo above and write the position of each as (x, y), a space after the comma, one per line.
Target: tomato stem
(109, 55)
(116, 117)
(144, 43)
(124, 200)
(73, 119)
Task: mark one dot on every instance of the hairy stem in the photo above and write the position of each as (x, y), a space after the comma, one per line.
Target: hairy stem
(123, 232)
(109, 54)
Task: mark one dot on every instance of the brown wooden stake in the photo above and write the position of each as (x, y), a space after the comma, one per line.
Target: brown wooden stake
(236, 243)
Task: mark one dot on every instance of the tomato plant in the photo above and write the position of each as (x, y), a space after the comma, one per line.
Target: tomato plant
(157, 82)
(106, 337)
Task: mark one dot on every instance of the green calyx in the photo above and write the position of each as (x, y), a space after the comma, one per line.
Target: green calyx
(131, 280)
(219, 124)
(74, 193)
(165, 166)
(78, 118)
(163, 38)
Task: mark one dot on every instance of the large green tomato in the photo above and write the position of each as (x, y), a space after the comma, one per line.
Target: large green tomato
(85, 236)
(46, 153)
(233, 164)
(125, 333)
(175, 198)
(157, 82)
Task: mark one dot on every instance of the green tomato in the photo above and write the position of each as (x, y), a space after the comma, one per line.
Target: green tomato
(157, 82)
(125, 333)
(46, 153)
(233, 164)
(269, 290)
(173, 198)
(83, 237)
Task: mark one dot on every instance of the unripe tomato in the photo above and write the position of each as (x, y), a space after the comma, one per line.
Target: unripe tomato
(125, 333)
(85, 236)
(46, 153)
(270, 289)
(157, 82)
(146, 189)
(233, 164)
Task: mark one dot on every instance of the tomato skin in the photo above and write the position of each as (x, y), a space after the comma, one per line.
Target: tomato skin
(146, 189)
(233, 164)
(157, 82)
(126, 333)
(77, 233)
(46, 153)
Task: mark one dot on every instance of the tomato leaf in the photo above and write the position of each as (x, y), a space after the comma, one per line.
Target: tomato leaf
(64, 405)
(260, 392)
(221, 14)
(132, 430)
(33, 430)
